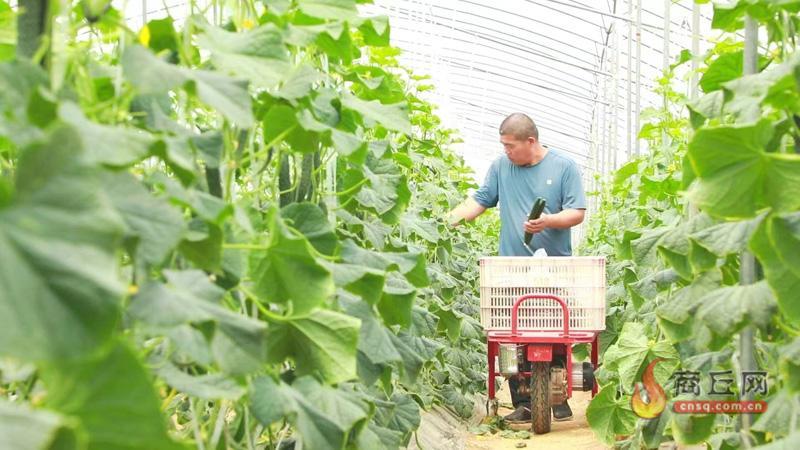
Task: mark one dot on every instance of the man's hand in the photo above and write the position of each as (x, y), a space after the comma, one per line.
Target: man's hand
(466, 211)
(564, 219)
(537, 225)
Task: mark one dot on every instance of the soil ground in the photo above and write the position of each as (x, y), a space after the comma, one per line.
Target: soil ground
(570, 435)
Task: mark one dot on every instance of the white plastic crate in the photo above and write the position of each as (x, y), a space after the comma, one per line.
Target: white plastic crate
(579, 280)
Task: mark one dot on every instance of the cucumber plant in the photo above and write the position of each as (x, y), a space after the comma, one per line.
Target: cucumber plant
(228, 233)
(721, 178)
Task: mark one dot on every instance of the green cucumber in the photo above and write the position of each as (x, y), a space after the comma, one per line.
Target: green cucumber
(536, 212)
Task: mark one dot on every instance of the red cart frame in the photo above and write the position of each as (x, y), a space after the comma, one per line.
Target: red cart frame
(540, 344)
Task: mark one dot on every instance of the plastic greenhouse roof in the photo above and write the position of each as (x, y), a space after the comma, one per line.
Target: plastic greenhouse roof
(563, 62)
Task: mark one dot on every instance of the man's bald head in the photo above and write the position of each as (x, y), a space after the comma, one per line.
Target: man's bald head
(520, 126)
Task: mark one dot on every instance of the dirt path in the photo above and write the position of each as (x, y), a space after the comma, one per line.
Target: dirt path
(574, 434)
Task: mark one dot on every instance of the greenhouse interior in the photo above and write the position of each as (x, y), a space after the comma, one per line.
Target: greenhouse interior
(391, 224)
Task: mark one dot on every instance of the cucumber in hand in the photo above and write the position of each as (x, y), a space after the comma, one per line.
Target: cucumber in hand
(536, 212)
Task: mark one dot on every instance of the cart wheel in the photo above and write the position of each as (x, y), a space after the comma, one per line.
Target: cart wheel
(492, 405)
(540, 397)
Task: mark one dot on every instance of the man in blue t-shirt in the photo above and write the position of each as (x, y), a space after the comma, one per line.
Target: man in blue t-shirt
(529, 170)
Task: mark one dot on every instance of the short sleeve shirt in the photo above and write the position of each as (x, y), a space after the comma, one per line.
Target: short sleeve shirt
(556, 178)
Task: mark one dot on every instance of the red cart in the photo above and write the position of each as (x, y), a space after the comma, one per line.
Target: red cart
(534, 309)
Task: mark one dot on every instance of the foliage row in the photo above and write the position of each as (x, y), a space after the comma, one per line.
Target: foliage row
(721, 182)
(226, 233)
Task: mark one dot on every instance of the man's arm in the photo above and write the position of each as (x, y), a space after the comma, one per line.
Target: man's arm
(564, 219)
(467, 210)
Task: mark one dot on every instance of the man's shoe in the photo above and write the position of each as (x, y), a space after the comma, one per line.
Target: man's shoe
(520, 415)
(562, 412)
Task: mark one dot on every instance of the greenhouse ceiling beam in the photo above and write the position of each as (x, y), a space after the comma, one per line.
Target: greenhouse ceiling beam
(509, 99)
(463, 71)
(507, 25)
(585, 99)
(526, 108)
(522, 49)
(552, 78)
(582, 7)
(540, 121)
(618, 105)
(491, 130)
(484, 131)
(681, 5)
(500, 103)
(497, 143)
(649, 28)
(588, 22)
(526, 30)
(587, 8)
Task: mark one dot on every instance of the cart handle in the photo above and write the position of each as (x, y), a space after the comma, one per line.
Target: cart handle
(560, 301)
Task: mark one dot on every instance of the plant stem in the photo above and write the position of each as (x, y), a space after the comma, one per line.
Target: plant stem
(198, 439)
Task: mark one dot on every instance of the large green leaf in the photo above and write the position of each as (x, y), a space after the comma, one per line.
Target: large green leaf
(24, 429)
(397, 299)
(728, 237)
(156, 224)
(742, 305)
(281, 123)
(779, 416)
(791, 442)
(675, 247)
(676, 314)
(415, 351)
(113, 400)
(324, 417)
(726, 67)
(412, 265)
(300, 82)
(610, 416)
(324, 344)
(692, 428)
(59, 286)
(736, 177)
(287, 271)
(363, 281)
(309, 219)
(649, 286)
(774, 86)
(628, 355)
(208, 386)
(393, 117)
(190, 297)
(374, 340)
(202, 245)
(784, 231)
(405, 416)
(115, 146)
(790, 365)
(383, 194)
(729, 16)
(329, 9)
(782, 279)
(151, 75)
(644, 247)
(258, 55)
(19, 82)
